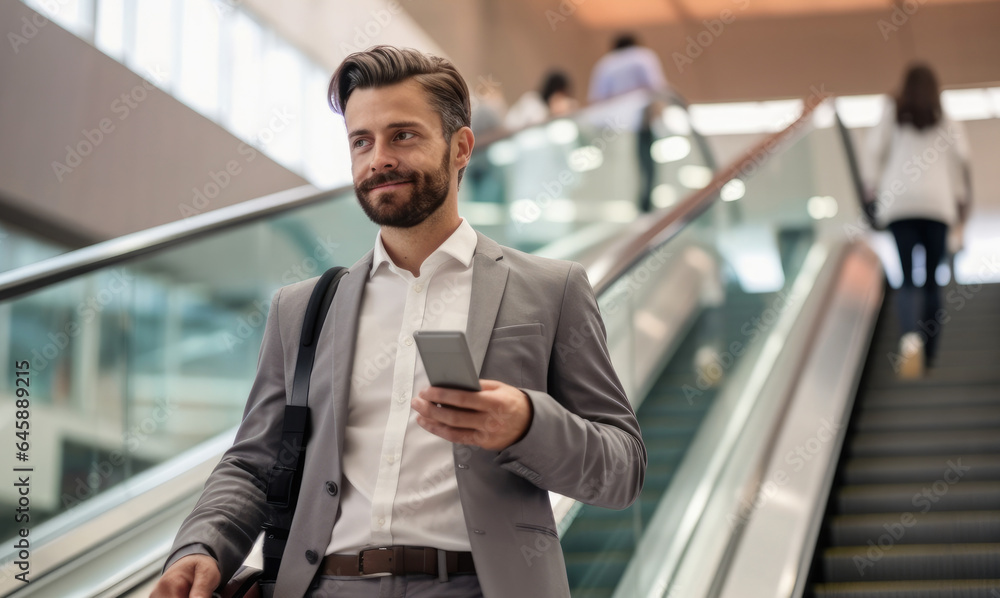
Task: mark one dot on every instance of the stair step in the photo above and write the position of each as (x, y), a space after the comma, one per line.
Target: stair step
(937, 496)
(934, 442)
(953, 588)
(929, 418)
(912, 562)
(898, 470)
(930, 395)
(916, 528)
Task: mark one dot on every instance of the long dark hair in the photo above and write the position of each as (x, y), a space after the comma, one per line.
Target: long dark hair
(919, 101)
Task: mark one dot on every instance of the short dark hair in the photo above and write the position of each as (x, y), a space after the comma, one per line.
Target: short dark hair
(625, 40)
(555, 81)
(379, 66)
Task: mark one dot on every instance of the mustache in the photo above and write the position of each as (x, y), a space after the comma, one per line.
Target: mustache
(385, 178)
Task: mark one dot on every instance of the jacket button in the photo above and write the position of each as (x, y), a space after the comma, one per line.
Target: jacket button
(312, 557)
(478, 531)
(463, 466)
(331, 489)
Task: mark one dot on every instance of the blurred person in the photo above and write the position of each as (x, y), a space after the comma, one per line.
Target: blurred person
(554, 97)
(627, 67)
(557, 93)
(918, 178)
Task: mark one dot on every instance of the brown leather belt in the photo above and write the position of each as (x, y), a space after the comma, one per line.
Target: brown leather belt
(397, 560)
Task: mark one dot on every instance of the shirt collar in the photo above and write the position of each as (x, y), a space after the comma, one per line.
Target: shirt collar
(461, 246)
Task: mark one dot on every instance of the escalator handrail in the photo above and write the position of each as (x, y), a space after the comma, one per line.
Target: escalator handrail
(614, 264)
(26, 279)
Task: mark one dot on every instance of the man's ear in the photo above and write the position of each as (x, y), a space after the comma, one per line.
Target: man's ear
(463, 141)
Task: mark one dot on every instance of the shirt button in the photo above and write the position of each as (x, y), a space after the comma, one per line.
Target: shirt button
(401, 400)
(331, 488)
(418, 287)
(312, 557)
(408, 341)
(381, 522)
(390, 459)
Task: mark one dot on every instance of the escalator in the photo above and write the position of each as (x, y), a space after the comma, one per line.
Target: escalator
(712, 307)
(142, 348)
(915, 507)
(709, 305)
(600, 542)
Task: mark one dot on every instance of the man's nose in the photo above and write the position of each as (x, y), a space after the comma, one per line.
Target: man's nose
(382, 158)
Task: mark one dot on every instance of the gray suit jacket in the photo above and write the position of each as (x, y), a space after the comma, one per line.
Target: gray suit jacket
(534, 324)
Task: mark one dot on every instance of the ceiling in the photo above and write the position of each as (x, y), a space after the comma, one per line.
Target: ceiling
(616, 14)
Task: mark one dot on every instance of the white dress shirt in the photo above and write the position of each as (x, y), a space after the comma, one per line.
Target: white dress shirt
(399, 484)
(624, 70)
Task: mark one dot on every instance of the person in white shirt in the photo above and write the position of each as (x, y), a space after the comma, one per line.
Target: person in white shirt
(407, 489)
(627, 67)
(916, 165)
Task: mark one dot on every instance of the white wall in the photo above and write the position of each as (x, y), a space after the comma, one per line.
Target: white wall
(146, 163)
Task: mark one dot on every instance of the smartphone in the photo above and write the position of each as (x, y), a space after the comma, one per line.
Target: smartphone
(447, 359)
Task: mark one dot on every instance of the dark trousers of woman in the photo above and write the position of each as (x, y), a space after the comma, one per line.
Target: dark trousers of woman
(918, 311)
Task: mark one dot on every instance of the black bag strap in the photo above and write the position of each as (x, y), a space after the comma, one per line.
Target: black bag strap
(284, 481)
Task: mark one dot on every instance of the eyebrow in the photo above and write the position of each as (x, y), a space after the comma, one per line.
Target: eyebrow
(405, 124)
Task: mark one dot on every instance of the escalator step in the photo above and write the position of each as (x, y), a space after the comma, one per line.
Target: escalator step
(592, 539)
(918, 497)
(936, 442)
(928, 396)
(898, 470)
(596, 569)
(950, 376)
(958, 588)
(951, 418)
(920, 528)
(912, 562)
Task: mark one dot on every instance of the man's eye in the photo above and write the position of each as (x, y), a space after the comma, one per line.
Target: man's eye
(404, 135)
(359, 143)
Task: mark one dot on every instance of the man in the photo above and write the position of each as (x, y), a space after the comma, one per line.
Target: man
(627, 67)
(390, 460)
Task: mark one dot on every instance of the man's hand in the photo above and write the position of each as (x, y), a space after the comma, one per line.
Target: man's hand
(494, 418)
(193, 576)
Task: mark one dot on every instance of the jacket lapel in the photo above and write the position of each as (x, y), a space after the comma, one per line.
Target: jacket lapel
(489, 277)
(346, 313)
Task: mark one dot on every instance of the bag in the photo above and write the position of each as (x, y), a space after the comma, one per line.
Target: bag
(284, 482)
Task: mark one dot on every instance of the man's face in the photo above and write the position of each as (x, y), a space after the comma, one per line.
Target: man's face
(401, 165)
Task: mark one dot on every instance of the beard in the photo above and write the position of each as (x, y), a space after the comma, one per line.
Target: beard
(390, 208)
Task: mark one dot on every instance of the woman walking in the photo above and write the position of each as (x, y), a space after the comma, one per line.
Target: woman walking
(918, 175)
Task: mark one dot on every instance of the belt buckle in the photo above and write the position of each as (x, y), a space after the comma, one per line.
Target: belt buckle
(392, 556)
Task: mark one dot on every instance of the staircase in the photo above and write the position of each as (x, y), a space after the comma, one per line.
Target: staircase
(915, 508)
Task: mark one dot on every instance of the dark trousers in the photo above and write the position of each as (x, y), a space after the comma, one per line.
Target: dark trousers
(647, 167)
(918, 311)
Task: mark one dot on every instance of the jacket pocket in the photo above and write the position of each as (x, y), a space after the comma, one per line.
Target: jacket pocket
(533, 329)
(541, 529)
